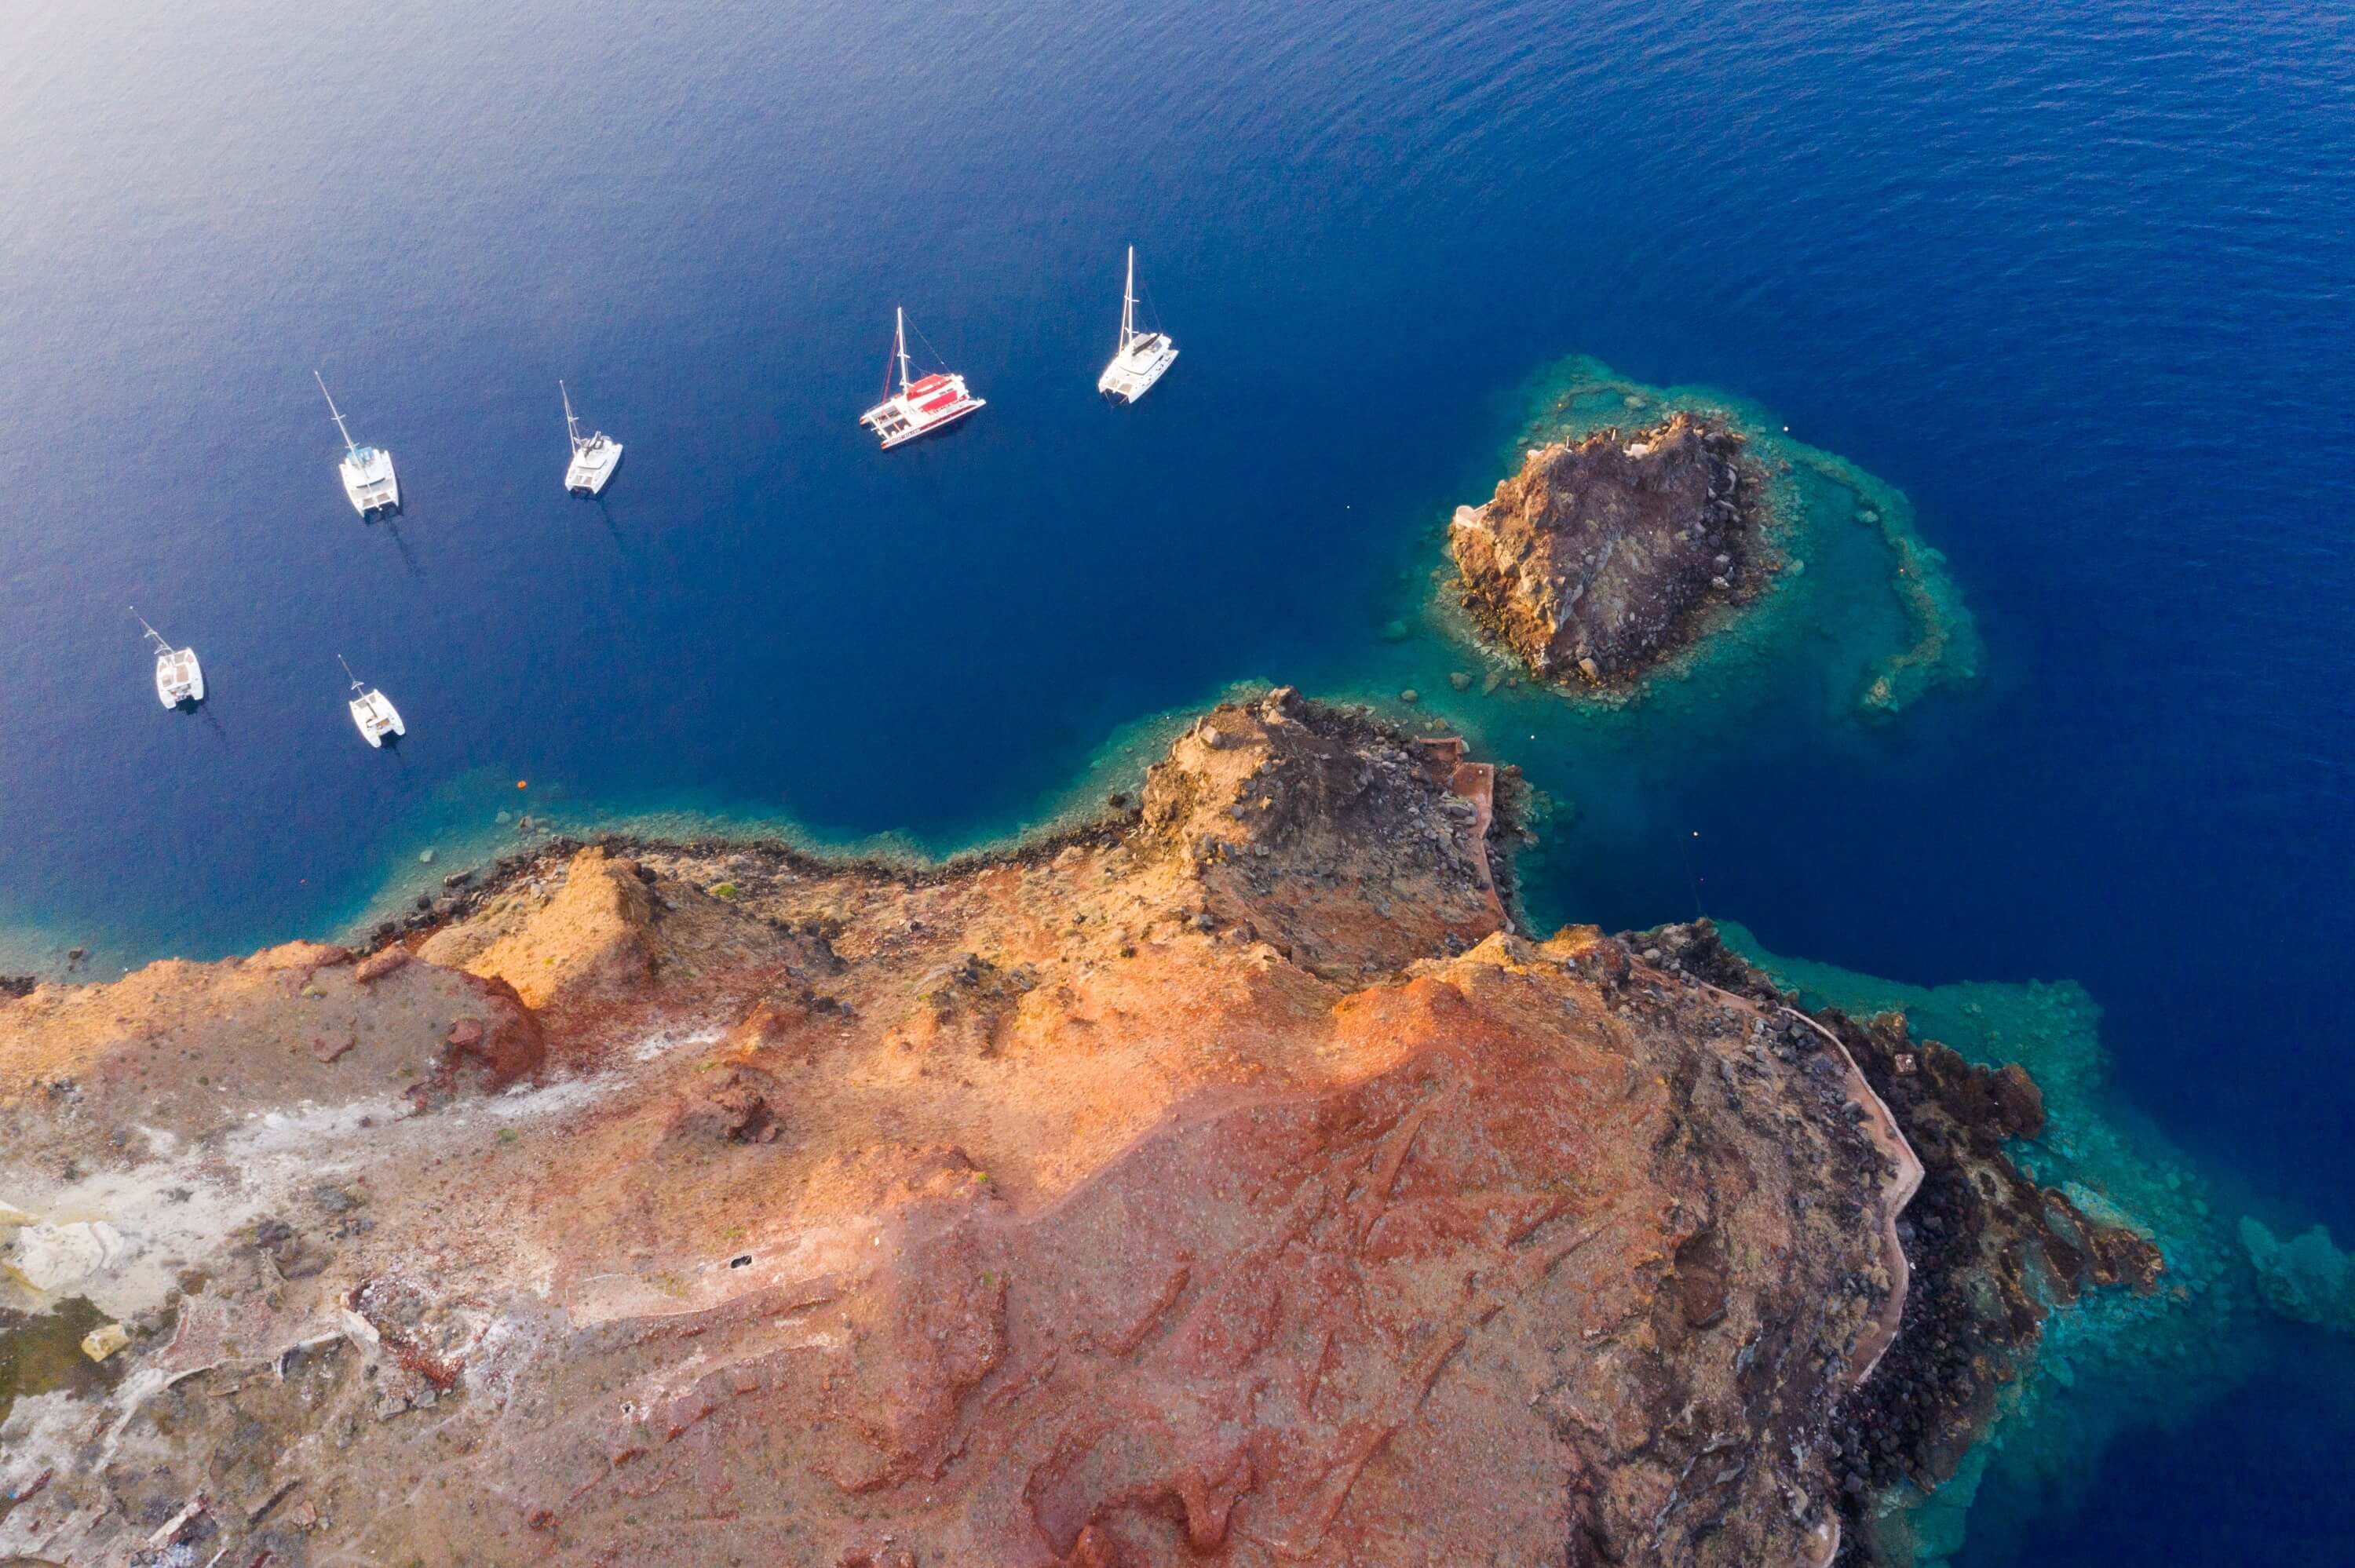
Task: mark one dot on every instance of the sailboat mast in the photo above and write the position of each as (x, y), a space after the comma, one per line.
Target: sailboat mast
(571, 425)
(349, 445)
(900, 314)
(1128, 304)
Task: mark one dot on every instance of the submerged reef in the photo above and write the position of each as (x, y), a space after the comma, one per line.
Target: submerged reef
(1602, 535)
(1229, 1179)
(1602, 558)
(2306, 1280)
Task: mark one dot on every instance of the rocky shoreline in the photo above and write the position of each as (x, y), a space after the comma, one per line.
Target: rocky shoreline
(1993, 1253)
(1230, 1178)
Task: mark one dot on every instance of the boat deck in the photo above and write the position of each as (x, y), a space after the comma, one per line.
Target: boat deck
(925, 405)
(1134, 369)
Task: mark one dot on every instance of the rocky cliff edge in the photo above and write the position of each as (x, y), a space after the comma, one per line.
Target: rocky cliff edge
(1226, 1181)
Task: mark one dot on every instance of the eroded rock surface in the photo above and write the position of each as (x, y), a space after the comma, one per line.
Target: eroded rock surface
(1226, 1182)
(1601, 558)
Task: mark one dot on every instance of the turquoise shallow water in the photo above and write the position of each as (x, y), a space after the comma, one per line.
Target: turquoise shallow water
(2070, 285)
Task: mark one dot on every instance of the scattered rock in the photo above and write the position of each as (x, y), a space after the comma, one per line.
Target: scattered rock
(56, 1257)
(739, 1107)
(2019, 1103)
(335, 1200)
(103, 1341)
(378, 964)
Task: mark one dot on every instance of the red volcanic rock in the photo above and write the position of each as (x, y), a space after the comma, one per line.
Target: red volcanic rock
(1228, 1184)
(299, 957)
(500, 1044)
(1489, 1299)
(377, 965)
(592, 943)
(740, 1105)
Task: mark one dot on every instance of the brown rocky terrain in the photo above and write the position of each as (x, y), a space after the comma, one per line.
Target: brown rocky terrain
(1227, 1182)
(1601, 558)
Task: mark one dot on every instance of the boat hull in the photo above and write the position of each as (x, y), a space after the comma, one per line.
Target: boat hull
(376, 719)
(588, 474)
(179, 678)
(938, 422)
(374, 489)
(1131, 376)
(896, 422)
(922, 408)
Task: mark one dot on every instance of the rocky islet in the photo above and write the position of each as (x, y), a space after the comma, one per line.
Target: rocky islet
(1676, 547)
(1602, 558)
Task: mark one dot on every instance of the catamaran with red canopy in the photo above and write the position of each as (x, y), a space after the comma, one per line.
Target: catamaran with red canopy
(918, 407)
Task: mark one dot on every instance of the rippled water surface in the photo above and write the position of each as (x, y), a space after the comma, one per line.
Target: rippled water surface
(2075, 279)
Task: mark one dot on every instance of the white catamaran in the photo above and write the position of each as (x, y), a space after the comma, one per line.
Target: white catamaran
(594, 457)
(368, 471)
(1142, 357)
(372, 710)
(919, 406)
(178, 677)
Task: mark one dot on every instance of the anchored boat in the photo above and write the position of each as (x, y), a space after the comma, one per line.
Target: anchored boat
(594, 457)
(919, 406)
(368, 471)
(372, 711)
(178, 677)
(1142, 357)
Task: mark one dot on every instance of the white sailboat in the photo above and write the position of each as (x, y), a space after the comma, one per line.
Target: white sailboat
(178, 677)
(368, 471)
(919, 406)
(1142, 357)
(594, 457)
(372, 711)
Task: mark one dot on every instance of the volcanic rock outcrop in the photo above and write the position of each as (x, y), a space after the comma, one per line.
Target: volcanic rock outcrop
(1227, 1182)
(1601, 558)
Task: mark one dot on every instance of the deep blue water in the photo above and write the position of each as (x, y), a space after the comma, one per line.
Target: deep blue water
(2242, 1486)
(2076, 278)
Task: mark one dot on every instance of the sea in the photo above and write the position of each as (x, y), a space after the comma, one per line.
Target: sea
(2059, 294)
